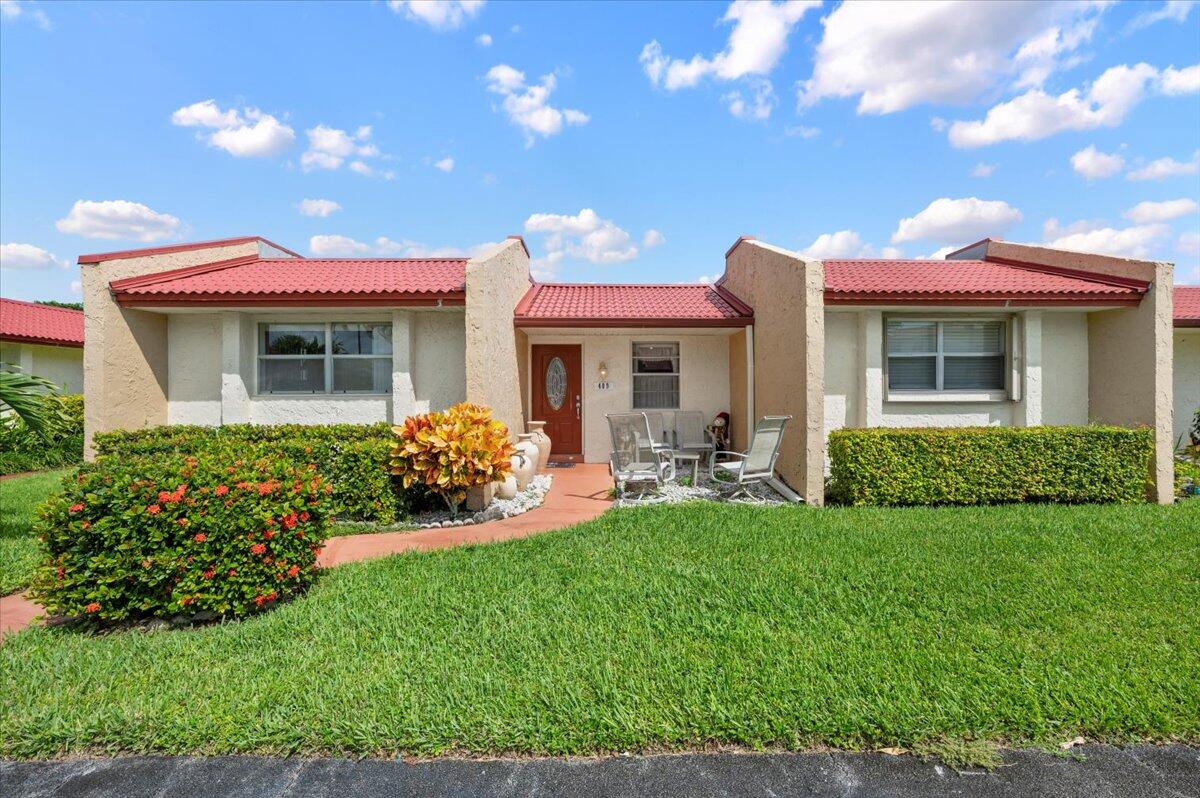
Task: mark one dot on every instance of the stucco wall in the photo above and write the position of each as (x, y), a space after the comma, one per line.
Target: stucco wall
(787, 294)
(126, 353)
(194, 369)
(739, 398)
(1064, 368)
(1187, 379)
(62, 365)
(703, 375)
(496, 281)
(439, 359)
(842, 380)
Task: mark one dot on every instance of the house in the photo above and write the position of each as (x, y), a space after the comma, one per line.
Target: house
(43, 340)
(1187, 358)
(243, 330)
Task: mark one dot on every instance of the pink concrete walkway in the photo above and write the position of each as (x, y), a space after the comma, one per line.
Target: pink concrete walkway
(577, 494)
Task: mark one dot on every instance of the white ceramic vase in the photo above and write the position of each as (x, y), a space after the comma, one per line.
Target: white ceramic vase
(537, 434)
(527, 451)
(507, 488)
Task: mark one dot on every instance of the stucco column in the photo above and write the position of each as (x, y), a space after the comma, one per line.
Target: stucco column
(235, 396)
(1029, 409)
(870, 354)
(404, 396)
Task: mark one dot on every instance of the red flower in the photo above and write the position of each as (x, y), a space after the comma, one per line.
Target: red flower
(86, 525)
(182, 521)
(231, 572)
(264, 488)
(295, 569)
(154, 509)
(186, 600)
(61, 573)
(258, 548)
(269, 533)
(209, 574)
(164, 497)
(222, 490)
(244, 485)
(289, 520)
(270, 522)
(93, 607)
(304, 516)
(200, 537)
(76, 507)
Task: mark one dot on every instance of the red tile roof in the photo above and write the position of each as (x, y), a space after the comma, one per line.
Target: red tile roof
(970, 282)
(311, 281)
(1187, 305)
(163, 250)
(30, 322)
(578, 305)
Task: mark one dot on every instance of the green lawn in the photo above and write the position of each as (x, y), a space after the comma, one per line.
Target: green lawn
(675, 627)
(19, 551)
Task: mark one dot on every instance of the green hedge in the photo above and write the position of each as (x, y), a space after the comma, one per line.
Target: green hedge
(989, 465)
(22, 450)
(352, 457)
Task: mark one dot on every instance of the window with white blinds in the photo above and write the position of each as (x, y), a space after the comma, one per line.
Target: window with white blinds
(656, 376)
(945, 355)
(325, 357)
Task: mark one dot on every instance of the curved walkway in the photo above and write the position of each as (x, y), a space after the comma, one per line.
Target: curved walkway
(576, 494)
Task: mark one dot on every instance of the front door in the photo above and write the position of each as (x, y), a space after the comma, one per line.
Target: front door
(557, 397)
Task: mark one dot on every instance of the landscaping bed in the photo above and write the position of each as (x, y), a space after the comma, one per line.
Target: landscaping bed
(670, 627)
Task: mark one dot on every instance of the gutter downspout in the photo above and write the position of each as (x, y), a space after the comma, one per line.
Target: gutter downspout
(750, 414)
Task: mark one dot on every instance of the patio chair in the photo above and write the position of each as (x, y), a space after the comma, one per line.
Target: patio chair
(635, 456)
(755, 466)
(658, 429)
(691, 433)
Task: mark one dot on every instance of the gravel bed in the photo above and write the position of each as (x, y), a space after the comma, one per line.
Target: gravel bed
(523, 502)
(706, 489)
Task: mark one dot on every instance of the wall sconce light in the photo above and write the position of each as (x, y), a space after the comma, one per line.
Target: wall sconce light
(603, 371)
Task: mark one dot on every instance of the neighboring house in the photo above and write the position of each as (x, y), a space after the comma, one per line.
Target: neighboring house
(43, 340)
(1187, 357)
(242, 330)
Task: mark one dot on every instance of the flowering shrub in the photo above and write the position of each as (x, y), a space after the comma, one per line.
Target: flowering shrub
(450, 451)
(352, 457)
(216, 534)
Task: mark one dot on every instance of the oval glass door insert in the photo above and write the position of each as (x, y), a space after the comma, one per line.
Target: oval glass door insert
(556, 383)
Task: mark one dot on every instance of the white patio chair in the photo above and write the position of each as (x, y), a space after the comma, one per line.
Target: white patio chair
(635, 456)
(691, 433)
(755, 466)
(658, 429)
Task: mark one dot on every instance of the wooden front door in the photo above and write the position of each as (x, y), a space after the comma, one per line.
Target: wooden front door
(558, 397)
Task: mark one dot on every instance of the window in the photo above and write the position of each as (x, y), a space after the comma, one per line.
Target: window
(325, 357)
(945, 355)
(656, 376)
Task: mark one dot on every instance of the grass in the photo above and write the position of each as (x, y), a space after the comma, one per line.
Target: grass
(19, 550)
(671, 627)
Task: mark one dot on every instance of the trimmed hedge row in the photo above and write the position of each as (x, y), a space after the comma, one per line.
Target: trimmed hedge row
(989, 465)
(217, 535)
(352, 457)
(23, 450)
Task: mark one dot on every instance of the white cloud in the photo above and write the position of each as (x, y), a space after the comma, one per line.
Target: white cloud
(1136, 241)
(957, 221)
(842, 244)
(22, 9)
(1150, 212)
(484, 40)
(1093, 164)
(585, 236)
(1173, 10)
(330, 147)
(249, 134)
(117, 219)
(1036, 114)
(1174, 82)
(318, 207)
(756, 43)
(528, 106)
(802, 131)
(1189, 244)
(653, 238)
(1163, 168)
(758, 107)
(27, 257)
(983, 170)
(445, 164)
(335, 246)
(708, 279)
(894, 55)
(438, 14)
(76, 287)
(941, 253)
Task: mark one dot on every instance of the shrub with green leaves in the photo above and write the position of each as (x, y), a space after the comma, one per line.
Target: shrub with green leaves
(219, 534)
(354, 458)
(23, 449)
(989, 465)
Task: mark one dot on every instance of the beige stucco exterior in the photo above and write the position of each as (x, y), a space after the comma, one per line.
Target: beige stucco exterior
(787, 294)
(62, 365)
(496, 282)
(1187, 379)
(125, 356)
(1129, 349)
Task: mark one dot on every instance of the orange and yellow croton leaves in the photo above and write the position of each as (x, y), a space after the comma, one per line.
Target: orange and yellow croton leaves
(452, 450)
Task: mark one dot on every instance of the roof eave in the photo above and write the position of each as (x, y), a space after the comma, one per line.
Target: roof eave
(567, 321)
(394, 299)
(980, 300)
(99, 257)
(37, 339)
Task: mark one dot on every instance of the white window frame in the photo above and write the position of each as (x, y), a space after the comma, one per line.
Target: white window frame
(940, 394)
(328, 356)
(633, 374)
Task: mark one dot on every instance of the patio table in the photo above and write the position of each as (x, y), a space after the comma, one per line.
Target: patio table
(692, 457)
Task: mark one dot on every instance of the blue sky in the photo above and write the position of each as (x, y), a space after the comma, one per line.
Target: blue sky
(627, 142)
